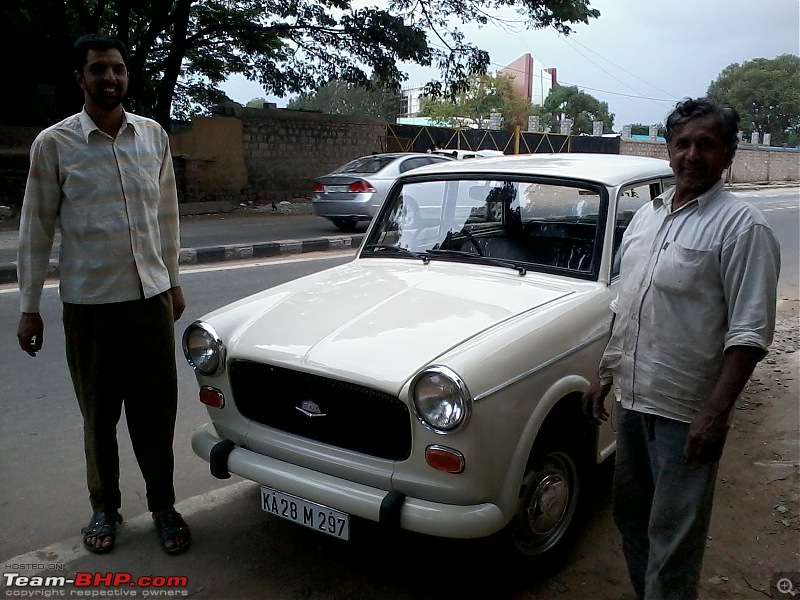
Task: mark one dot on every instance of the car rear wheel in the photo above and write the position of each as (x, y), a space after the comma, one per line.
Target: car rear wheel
(345, 224)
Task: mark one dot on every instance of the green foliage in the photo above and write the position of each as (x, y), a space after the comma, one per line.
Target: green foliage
(766, 94)
(256, 102)
(181, 50)
(483, 95)
(338, 97)
(639, 129)
(579, 106)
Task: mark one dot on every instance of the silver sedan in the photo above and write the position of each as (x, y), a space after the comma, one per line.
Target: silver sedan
(355, 191)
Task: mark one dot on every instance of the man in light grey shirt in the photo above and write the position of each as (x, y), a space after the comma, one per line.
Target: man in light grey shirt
(694, 314)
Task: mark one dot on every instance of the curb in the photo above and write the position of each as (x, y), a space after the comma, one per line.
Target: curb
(224, 253)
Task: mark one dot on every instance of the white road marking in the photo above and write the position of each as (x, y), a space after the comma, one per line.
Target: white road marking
(227, 266)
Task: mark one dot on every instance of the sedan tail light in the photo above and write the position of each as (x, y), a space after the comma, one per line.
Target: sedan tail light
(319, 188)
(361, 186)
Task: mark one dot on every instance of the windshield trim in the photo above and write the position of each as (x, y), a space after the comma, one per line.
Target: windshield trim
(592, 274)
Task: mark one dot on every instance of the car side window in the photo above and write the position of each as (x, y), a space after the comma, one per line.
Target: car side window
(630, 200)
(413, 163)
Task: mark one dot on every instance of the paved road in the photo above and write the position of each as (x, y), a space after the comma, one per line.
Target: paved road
(212, 238)
(256, 233)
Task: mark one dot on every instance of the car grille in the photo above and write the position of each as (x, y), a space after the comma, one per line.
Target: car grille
(355, 417)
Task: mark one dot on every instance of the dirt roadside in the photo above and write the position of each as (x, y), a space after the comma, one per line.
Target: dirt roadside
(755, 529)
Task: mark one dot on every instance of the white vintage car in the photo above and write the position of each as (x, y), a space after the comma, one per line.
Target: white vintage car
(434, 382)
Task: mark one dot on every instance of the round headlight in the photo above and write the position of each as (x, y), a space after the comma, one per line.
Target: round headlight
(204, 349)
(441, 399)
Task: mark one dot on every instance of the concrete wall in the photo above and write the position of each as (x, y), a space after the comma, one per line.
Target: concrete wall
(750, 165)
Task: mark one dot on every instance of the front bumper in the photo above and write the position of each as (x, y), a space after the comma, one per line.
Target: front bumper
(383, 506)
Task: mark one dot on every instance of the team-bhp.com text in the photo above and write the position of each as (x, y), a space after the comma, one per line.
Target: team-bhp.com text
(94, 585)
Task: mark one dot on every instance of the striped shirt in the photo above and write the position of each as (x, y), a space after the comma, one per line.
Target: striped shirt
(115, 202)
(693, 283)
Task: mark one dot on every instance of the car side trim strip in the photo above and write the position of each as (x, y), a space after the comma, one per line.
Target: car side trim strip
(538, 368)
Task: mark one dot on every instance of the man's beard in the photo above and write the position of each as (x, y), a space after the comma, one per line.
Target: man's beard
(106, 101)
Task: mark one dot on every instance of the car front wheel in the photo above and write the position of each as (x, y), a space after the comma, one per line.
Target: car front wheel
(550, 508)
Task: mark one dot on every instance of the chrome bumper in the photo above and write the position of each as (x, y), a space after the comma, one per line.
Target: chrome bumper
(383, 506)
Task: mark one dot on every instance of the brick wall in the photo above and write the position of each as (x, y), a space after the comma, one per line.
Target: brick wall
(268, 155)
(750, 165)
(761, 164)
(285, 150)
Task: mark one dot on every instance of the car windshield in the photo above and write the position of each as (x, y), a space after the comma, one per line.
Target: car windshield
(527, 225)
(366, 164)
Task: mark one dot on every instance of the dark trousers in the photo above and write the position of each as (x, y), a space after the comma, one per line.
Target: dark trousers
(119, 354)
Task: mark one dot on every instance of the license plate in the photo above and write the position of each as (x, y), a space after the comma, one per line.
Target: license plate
(337, 188)
(305, 513)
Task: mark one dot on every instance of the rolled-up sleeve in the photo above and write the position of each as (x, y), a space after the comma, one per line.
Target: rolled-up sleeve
(750, 268)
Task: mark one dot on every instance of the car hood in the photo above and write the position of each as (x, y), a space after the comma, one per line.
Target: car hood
(378, 325)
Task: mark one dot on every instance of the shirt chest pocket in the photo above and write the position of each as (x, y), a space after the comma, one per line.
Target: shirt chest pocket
(685, 271)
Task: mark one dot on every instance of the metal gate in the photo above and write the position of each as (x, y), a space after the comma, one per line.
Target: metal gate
(421, 138)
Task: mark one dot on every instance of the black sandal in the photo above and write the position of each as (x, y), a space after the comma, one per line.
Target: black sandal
(103, 525)
(169, 525)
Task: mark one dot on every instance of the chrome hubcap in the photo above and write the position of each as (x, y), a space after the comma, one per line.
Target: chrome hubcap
(548, 504)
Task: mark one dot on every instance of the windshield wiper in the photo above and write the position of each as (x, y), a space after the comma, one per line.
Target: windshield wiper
(399, 250)
(500, 262)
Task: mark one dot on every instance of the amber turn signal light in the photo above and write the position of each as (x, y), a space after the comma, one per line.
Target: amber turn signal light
(212, 397)
(444, 459)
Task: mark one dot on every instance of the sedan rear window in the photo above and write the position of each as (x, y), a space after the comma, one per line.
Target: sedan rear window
(366, 164)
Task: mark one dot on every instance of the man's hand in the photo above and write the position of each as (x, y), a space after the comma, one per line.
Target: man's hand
(178, 302)
(709, 427)
(594, 403)
(706, 440)
(30, 332)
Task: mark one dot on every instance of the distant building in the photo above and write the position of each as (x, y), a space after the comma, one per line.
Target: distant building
(530, 79)
(410, 101)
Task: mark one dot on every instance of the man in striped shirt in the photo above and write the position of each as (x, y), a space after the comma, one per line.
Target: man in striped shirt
(105, 177)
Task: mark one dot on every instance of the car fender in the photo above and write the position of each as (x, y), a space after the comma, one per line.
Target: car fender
(558, 391)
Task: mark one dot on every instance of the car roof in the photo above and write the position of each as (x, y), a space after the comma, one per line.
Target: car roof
(608, 169)
(391, 155)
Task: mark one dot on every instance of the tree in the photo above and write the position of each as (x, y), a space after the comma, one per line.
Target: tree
(579, 106)
(765, 94)
(257, 102)
(339, 97)
(181, 50)
(484, 94)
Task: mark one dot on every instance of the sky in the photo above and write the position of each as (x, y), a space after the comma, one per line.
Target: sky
(639, 56)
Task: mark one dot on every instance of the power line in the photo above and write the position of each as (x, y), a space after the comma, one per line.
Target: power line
(640, 94)
(586, 87)
(624, 69)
